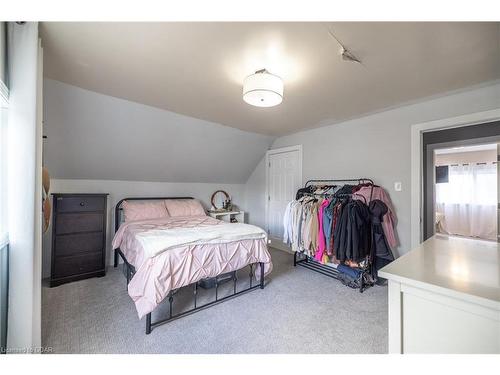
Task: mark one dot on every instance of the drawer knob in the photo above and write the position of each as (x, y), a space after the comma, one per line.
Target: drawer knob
(82, 204)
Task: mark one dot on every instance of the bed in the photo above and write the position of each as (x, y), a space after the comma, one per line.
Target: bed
(179, 248)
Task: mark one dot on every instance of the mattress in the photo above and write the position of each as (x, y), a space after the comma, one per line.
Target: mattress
(169, 253)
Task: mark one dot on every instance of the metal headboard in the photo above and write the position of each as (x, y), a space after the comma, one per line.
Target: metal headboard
(119, 208)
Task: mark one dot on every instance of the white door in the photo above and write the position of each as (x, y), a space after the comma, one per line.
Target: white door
(284, 178)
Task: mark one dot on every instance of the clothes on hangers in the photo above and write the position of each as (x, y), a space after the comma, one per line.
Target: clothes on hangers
(310, 227)
(381, 251)
(302, 191)
(321, 234)
(334, 225)
(389, 219)
(352, 232)
(292, 225)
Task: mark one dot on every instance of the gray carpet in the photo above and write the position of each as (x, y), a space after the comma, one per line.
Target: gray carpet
(299, 311)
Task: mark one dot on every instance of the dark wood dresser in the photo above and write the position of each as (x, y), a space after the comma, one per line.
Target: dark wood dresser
(78, 237)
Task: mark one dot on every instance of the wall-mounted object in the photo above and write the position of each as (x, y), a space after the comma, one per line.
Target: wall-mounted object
(46, 207)
(442, 174)
(221, 201)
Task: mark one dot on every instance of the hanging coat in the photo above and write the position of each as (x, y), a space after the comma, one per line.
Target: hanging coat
(352, 232)
(381, 251)
(380, 247)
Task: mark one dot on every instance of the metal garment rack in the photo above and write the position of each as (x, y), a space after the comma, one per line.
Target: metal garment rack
(130, 271)
(303, 260)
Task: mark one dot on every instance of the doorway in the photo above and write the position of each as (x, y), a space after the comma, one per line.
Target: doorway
(465, 191)
(462, 206)
(284, 178)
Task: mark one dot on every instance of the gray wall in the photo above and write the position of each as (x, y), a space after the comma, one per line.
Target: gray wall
(95, 136)
(255, 195)
(376, 146)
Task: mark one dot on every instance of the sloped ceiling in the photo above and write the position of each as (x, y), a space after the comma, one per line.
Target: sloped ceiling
(197, 69)
(94, 136)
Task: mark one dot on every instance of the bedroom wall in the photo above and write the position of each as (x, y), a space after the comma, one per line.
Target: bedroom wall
(95, 136)
(98, 143)
(376, 146)
(118, 190)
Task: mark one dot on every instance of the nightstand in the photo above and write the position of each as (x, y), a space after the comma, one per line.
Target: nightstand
(228, 215)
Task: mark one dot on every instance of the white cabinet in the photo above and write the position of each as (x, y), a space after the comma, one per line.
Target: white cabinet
(444, 297)
(228, 215)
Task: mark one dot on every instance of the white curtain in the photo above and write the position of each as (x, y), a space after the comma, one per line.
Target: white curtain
(467, 204)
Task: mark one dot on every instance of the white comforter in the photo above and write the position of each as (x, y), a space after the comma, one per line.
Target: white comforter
(156, 241)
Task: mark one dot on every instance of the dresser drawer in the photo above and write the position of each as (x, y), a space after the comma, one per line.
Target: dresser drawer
(74, 265)
(80, 204)
(75, 223)
(76, 244)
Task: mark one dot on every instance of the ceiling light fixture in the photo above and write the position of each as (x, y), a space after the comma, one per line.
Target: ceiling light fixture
(263, 89)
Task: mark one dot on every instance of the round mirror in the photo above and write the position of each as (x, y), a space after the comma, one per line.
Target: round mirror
(220, 201)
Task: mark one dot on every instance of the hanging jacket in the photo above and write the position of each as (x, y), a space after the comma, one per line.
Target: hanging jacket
(359, 231)
(389, 219)
(380, 247)
(337, 210)
(328, 215)
(340, 232)
(321, 234)
(352, 232)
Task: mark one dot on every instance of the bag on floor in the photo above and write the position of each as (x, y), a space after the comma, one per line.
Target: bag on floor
(350, 277)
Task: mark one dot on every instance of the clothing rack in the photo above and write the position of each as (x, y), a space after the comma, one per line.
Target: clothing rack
(360, 181)
(306, 261)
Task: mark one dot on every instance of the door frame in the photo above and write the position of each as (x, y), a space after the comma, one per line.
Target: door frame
(429, 212)
(417, 187)
(279, 244)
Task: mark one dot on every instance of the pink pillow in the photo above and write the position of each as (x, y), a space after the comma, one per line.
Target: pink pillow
(144, 210)
(184, 207)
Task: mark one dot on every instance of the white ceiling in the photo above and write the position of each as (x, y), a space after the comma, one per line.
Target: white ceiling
(197, 69)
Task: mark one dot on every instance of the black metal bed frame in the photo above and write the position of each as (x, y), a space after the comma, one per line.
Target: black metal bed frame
(303, 260)
(130, 271)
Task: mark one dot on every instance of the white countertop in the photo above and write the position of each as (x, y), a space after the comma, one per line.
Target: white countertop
(458, 267)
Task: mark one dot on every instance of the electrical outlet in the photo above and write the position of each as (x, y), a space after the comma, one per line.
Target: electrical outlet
(398, 186)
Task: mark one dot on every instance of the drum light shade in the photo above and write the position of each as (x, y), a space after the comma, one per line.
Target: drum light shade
(263, 89)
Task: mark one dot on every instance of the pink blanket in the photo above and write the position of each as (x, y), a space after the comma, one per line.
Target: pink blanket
(175, 267)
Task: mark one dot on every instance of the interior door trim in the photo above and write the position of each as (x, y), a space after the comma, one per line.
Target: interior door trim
(295, 148)
(417, 131)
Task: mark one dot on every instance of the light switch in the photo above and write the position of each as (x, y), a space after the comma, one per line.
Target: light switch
(397, 186)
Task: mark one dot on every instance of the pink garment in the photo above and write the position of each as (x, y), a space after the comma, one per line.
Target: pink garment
(321, 235)
(389, 220)
(155, 277)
